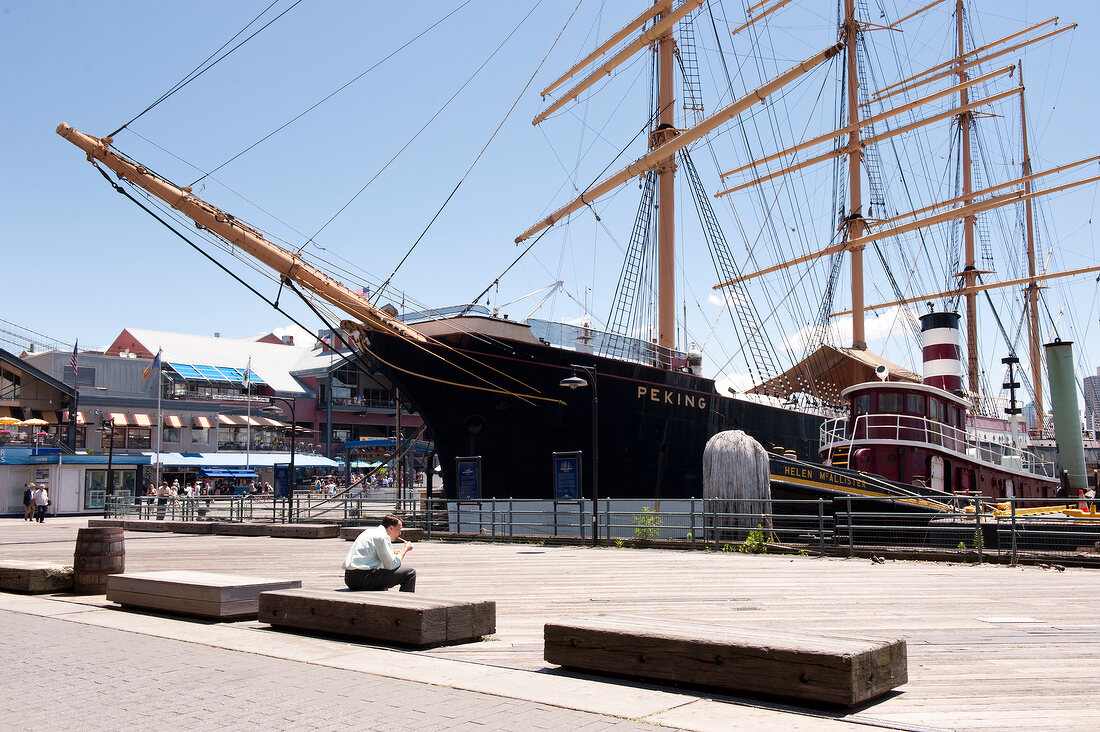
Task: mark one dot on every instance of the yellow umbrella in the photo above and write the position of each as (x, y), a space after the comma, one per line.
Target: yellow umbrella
(9, 420)
(35, 422)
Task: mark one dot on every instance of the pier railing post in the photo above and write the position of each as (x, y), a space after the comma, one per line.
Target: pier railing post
(1012, 508)
(714, 521)
(821, 525)
(583, 523)
(691, 530)
(851, 532)
(978, 538)
(511, 523)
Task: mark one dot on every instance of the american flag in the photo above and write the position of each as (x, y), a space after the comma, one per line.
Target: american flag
(75, 359)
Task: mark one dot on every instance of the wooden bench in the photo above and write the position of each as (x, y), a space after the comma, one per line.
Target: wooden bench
(33, 577)
(303, 531)
(143, 525)
(351, 533)
(398, 618)
(829, 669)
(231, 529)
(199, 594)
(189, 527)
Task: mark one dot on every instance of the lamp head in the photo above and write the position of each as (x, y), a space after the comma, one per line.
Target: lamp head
(573, 382)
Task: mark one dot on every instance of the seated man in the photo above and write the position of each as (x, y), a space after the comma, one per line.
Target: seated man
(373, 564)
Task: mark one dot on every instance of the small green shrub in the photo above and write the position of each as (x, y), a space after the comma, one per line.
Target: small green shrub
(756, 542)
(647, 524)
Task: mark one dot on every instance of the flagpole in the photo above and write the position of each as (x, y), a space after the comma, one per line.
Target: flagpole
(248, 427)
(160, 421)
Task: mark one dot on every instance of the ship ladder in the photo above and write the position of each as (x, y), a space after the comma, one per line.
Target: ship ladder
(840, 456)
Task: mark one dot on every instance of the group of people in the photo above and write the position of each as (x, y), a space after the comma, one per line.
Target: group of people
(35, 500)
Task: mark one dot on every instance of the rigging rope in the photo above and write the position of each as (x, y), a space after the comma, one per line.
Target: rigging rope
(314, 106)
(492, 137)
(196, 73)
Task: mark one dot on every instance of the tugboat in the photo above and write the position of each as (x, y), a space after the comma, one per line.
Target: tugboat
(917, 434)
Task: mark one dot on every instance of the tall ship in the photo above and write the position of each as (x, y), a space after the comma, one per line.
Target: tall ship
(629, 396)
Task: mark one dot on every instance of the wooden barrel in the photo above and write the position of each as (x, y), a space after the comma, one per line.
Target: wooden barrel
(99, 552)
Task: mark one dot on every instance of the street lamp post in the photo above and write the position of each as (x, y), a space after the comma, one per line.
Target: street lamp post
(575, 382)
(293, 430)
(107, 427)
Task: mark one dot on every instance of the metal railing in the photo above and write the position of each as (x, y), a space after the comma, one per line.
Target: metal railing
(850, 526)
(909, 428)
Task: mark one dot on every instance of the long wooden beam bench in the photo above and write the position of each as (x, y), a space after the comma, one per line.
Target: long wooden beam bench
(200, 594)
(303, 531)
(32, 577)
(811, 667)
(144, 525)
(397, 618)
(351, 533)
(232, 529)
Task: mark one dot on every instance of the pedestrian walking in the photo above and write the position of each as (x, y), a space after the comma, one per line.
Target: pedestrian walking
(28, 503)
(41, 498)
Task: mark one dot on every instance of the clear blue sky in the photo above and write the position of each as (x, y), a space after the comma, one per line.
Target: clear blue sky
(82, 262)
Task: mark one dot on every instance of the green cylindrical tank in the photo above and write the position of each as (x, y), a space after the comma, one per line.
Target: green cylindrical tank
(1067, 417)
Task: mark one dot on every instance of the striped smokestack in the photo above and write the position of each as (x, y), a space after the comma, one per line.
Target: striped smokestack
(943, 367)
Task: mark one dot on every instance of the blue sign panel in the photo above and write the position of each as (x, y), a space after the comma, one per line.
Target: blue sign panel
(282, 480)
(469, 478)
(567, 475)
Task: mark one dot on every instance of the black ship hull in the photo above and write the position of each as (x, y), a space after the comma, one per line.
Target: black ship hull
(502, 400)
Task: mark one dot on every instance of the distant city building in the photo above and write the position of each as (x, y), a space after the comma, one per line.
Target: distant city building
(1092, 402)
(1029, 415)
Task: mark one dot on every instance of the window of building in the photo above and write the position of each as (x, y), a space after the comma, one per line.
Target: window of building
(200, 435)
(139, 437)
(170, 434)
(95, 481)
(889, 403)
(117, 439)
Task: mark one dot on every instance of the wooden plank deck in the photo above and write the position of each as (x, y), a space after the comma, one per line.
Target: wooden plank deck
(990, 647)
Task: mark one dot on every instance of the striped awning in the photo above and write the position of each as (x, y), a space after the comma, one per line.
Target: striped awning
(226, 419)
(143, 420)
(119, 419)
(252, 421)
(172, 420)
(202, 422)
(80, 418)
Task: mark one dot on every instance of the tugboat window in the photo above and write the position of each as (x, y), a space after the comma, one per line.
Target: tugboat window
(937, 410)
(889, 403)
(914, 403)
(862, 404)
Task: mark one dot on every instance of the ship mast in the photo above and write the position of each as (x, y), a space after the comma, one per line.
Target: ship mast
(854, 223)
(970, 271)
(666, 202)
(1033, 285)
(290, 265)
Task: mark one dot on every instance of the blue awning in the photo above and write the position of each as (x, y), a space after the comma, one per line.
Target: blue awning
(227, 473)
